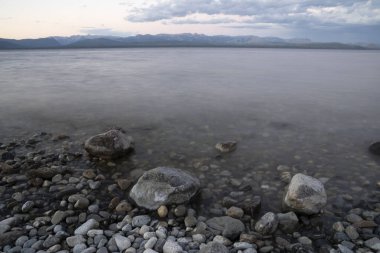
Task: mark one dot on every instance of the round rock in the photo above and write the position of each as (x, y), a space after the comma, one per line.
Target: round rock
(164, 186)
(109, 145)
(267, 224)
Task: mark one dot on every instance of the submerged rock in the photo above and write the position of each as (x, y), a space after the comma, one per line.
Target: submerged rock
(109, 145)
(164, 186)
(375, 148)
(226, 147)
(305, 195)
(267, 224)
(226, 226)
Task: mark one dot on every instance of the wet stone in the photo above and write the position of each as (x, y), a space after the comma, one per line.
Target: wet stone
(267, 224)
(235, 212)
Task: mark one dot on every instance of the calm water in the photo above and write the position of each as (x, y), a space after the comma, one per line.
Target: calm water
(314, 110)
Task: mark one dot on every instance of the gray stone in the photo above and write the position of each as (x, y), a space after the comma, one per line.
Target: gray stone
(352, 233)
(305, 241)
(223, 240)
(82, 203)
(190, 221)
(267, 224)
(50, 241)
(104, 250)
(58, 217)
(74, 240)
(288, 222)
(235, 212)
(172, 247)
(242, 245)
(199, 238)
(85, 227)
(21, 240)
(305, 194)
(225, 225)
(164, 186)
(89, 250)
(140, 220)
(27, 206)
(373, 243)
(344, 249)
(79, 248)
(150, 243)
(214, 247)
(122, 242)
(149, 251)
(109, 145)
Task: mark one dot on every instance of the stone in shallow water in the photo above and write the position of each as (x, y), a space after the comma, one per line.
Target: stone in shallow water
(288, 222)
(375, 148)
(225, 225)
(267, 224)
(305, 195)
(109, 145)
(164, 186)
(226, 147)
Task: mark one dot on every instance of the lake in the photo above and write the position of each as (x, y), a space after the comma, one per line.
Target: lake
(315, 111)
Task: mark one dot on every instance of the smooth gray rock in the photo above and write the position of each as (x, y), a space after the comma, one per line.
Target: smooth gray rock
(214, 247)
(226, 226)
(172, 247)
(373, 243)
(58, 217)
(122, 242)
(164, 186)
(305, 194)
(51, 241)
(267, 224)
(85, 227)
(74, 240)
(140, 220)
(109, 145)
(150, 243)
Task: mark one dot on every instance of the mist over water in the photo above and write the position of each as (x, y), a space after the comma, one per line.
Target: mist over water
(316, 110)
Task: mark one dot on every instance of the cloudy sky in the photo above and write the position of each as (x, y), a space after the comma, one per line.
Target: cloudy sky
(319, 20)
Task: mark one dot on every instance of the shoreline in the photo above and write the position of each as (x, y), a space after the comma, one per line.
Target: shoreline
(41, 212)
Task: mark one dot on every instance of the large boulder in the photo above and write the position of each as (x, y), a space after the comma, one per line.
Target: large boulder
(226, 226)
(305, 195)
(109, 145)
(164, 186)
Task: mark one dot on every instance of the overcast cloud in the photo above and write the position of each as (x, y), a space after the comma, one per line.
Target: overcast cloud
(325, 17)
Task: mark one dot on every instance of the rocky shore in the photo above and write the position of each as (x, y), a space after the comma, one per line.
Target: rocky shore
(56, 196)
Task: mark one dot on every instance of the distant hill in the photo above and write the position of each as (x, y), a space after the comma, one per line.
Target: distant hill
(172, 40)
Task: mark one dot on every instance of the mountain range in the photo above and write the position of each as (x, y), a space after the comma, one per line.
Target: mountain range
(172, 40)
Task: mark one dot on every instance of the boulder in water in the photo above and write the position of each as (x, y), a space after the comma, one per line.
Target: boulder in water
(164, 186)
(109, 145)
(305, 195)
